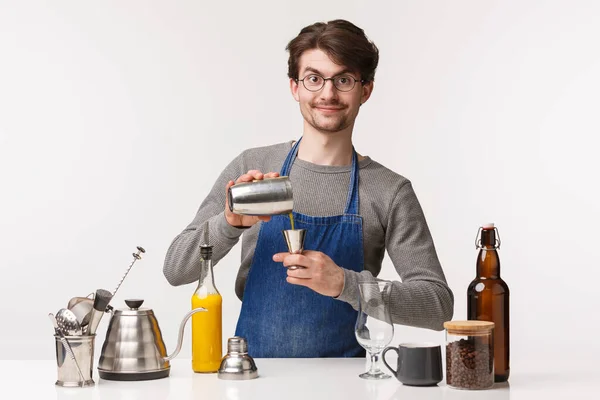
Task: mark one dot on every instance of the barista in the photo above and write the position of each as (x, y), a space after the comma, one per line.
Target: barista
(353, 208)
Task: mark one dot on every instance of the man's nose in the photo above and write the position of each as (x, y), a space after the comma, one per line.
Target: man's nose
(329, 91)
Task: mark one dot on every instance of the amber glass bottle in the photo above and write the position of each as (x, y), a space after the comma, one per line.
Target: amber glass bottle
(488, 298)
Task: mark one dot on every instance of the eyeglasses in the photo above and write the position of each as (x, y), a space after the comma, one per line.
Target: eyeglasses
(343, 83)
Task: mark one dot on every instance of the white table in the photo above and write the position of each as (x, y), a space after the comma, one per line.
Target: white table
(283, 379)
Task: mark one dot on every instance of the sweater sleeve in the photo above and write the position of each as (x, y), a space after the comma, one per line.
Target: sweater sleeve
(182, 261)
(423, 298)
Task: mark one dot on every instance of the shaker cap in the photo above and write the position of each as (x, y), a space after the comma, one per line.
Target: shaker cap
(237, 363)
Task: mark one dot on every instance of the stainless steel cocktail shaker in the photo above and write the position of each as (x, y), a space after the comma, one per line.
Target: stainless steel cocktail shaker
(237, 363)
(270, 196)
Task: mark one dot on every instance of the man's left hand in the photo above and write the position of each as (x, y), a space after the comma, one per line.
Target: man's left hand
(320, 273)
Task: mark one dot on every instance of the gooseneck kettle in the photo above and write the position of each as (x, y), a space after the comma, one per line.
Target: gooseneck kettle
(134, 348)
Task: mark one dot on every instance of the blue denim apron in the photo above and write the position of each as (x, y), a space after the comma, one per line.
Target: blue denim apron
(282, 320)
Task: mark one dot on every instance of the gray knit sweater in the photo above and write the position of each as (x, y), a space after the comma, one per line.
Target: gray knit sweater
(392, 220)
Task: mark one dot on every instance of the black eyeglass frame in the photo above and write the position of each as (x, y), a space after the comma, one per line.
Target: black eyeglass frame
(332, 79)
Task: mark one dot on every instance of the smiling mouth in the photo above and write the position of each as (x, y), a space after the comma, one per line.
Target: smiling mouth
(328, 109)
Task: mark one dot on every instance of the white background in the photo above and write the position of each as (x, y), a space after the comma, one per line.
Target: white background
(116, 118)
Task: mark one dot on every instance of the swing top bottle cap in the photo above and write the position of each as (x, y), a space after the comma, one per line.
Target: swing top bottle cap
(489, 225)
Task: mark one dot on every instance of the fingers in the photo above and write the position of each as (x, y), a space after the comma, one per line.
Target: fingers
(316, 271)
(292, 262)
(278, 257)
(229, 184)
(306, 259)
(250, 176)
(255, 174)
(314, 254)
(300, 273)
(298, 281)
(289, 260)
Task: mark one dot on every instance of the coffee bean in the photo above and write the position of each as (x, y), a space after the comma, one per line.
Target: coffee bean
(470, 363)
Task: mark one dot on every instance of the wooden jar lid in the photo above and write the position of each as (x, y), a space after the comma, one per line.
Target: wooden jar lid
(472, 327)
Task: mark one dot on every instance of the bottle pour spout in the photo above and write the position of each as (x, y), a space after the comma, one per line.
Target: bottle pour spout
(181, 330)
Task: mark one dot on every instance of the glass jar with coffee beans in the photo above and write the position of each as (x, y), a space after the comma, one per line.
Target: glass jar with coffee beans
(469, 354)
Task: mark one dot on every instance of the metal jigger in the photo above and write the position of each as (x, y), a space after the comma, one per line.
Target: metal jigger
(294, 238)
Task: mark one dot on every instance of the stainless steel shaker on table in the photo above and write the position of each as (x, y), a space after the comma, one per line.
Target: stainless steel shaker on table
(237, 364)
(270, 196)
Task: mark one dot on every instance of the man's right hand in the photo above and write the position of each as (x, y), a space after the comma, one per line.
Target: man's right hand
(245, 220)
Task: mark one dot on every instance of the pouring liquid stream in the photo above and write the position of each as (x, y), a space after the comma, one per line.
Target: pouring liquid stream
(291, 220)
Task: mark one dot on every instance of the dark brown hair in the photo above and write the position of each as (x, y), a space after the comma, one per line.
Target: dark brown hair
(344, 42)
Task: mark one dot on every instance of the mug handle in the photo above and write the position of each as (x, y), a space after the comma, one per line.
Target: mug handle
(385, 362)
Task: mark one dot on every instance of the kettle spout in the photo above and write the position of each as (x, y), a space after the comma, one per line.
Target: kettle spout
(181, 329)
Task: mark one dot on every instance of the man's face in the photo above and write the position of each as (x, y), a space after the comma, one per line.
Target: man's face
(328, 109)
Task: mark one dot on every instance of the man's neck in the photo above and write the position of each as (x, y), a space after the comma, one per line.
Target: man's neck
(329, 148)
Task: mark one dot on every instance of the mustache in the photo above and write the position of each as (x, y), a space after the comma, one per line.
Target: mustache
(329, 105)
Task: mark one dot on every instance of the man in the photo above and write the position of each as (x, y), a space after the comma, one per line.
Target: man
(352, 207)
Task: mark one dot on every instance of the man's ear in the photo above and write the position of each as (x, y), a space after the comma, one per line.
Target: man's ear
(294, 88)
(367, 89)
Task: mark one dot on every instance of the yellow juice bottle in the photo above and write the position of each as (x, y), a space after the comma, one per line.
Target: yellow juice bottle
(207, 326)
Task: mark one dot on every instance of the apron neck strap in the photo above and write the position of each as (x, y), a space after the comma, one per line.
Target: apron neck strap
(352, 199)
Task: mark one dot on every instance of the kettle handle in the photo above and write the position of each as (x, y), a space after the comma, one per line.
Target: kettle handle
(181, 329)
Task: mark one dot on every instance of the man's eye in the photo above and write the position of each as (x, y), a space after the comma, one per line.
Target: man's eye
(314, 78)
(345, 80)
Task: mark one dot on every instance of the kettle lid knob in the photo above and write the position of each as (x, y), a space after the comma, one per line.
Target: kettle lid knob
(134, 304)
